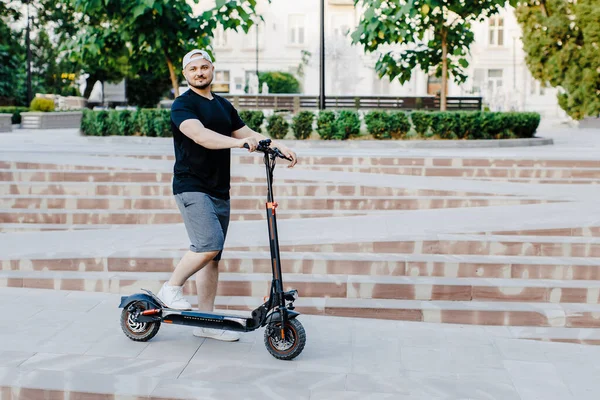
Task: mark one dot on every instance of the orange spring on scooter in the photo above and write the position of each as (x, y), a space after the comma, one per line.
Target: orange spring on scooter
(282, 334)
(151, 312)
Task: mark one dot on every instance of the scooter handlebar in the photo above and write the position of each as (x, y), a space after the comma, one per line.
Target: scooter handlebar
(263, 146)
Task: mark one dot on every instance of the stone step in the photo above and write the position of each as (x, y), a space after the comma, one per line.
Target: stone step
(330, 286)
(389, 265)
(24, 175)
(475, 245)
(237, 189)
(453, 162)
(568, 181)
(17, 165)
(575, 315)
(399, 160)
(587, 231)
(467, 172)
(352, 203)
(136, 216)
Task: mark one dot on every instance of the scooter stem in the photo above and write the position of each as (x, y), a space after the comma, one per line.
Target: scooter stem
(273, 236)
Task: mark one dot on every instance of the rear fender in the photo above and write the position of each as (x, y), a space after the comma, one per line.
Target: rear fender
(127, 300)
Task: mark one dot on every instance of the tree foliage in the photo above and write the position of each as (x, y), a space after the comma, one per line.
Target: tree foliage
(561, 40)
(279, 82)
(12, 58)
(151, 30)
(430, 34)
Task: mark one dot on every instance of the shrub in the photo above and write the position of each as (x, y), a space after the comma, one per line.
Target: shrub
(470, 125)
(302, 124)
(42, 104)
(277, 126)
(495, 125)
(162, 123)
(377, 124)
(95, 123)
(445, 125)
(398, 125)
(15, 111)
(347, 124)
(120, 123)
(326, 124)
(421, 121)
(144, 122)
(523, 125)
(254, 119)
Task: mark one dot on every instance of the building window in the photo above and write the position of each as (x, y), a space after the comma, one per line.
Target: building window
(536, 87)
(221, 38)
(221, 82)
(496, 30)
(296, 32)
(239, 83)
(494, 80)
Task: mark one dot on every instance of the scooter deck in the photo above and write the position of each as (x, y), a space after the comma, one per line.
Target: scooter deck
(205, 319)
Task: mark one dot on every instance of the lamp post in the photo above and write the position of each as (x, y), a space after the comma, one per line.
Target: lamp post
(28, 46)
(322, 61)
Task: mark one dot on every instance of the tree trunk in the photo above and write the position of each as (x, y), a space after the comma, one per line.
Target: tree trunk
(444, 69)
(174, 81)
(544, 8)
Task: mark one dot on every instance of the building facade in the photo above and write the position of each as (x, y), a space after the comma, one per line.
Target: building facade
(288, 40)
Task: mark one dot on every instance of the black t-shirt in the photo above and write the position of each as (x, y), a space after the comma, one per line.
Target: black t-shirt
(198, 169)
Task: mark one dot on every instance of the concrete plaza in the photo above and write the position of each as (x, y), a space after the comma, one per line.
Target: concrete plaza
(424, 273)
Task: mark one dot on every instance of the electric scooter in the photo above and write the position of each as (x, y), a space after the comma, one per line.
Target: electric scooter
(284, 335)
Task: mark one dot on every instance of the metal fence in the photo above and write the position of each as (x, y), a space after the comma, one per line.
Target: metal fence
(295, 103)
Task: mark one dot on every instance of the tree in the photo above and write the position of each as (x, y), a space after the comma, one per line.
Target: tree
(431, 34)
(279, 82)
(162, 29)
(561, 40)
(12, 58)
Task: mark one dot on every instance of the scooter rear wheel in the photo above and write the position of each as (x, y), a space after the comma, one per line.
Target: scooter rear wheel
(138, 331)
(291, 345)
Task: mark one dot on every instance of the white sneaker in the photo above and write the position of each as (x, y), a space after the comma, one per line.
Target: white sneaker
(172, 296)
(218, 334)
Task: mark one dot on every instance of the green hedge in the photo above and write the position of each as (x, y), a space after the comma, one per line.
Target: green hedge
(253, 119)
(142, 122)
(15, 111)
(326, 124)
(277, 126)
(463, 125)
(385, 125)
(302, 124)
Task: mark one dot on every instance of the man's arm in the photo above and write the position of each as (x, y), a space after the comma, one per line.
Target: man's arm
(245, 133)
(195, 130)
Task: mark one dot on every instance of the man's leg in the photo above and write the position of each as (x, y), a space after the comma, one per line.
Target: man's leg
(207, 280)
(189, 264)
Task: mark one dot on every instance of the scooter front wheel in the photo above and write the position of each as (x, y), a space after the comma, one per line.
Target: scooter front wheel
(290, 345)
(134, 330)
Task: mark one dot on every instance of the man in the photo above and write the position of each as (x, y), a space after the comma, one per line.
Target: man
(205, 127)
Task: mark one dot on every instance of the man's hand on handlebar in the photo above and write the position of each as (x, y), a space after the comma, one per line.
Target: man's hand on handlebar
(249, 143)
(289, 154)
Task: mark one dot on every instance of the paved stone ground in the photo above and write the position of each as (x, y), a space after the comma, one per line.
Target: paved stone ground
(71, 342)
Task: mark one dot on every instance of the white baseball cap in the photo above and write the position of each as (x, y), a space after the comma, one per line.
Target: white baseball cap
(188, 57)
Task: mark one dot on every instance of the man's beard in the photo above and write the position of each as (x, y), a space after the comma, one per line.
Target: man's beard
(201, 87)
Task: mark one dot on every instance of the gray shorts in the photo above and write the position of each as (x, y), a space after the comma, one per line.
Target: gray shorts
(206, 219)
